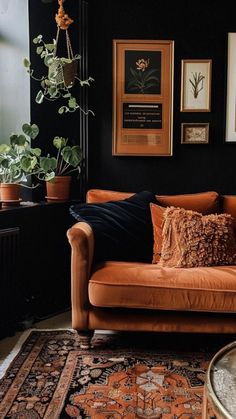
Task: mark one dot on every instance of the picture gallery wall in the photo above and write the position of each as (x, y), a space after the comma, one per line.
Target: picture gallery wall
(197, 155)
(202, 159)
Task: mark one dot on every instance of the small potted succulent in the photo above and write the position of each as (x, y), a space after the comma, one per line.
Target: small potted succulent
(18, 160)
(57, 171)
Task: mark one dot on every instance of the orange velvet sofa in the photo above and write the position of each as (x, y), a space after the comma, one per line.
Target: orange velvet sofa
(133, 296)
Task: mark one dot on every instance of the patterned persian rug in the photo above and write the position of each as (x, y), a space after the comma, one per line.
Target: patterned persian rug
(124, 376)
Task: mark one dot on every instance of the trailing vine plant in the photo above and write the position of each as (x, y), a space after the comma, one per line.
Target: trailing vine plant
(61, 71)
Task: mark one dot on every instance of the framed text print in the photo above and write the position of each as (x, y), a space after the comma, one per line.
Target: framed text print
(196, 85)
(231, 90)
(142, 97)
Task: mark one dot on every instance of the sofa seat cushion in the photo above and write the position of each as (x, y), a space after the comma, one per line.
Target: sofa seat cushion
(142, 285)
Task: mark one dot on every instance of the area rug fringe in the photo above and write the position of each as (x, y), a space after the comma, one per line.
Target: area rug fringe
(16, 349)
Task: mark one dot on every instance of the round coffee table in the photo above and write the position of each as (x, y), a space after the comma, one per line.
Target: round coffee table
(219, 400)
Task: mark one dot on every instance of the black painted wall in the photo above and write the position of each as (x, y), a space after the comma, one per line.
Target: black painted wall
(71, 125)
(199, 31)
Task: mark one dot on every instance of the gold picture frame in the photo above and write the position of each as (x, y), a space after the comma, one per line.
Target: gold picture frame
(230, 129)
(142, 97)
(196, 85)
(195, 133)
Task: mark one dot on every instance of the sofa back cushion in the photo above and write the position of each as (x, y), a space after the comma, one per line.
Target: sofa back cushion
(190, 239)
(229, 206)
(204, 202)
(103, 195)
(157, 215)
(122, 229)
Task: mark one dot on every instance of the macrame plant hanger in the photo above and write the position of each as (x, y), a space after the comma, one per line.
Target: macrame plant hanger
(65, 69)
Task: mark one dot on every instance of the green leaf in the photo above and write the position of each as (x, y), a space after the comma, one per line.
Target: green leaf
(5, 163)
(152, 78)
(72, 155)
(18, 140)
(72, 102)
(61, 110)
(15, 172)
(4, 148)
(36, 151)
(39, 98)
(43, 84)
(135, 88)
(84, 83)
(26, 63)
(59, 142)
(133, 83)
(50, 176)
(53, 91)
(38, 39)
(52, 74)
(149, 73)
(66, 60)
(47, 82)
(13, 136)
(48, 163)
(39, 50)
(50, 47)
(48, 59)
(148, 85)
(134, 72)
(28, 163)
(30, 130)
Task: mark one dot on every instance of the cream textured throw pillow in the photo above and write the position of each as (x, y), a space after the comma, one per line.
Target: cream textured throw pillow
(191, 239)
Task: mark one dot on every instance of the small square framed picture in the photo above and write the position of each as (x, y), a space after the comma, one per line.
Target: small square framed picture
(195, 133)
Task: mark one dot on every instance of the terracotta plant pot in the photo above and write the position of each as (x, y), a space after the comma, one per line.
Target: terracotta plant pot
(10, 193)
(58, 189)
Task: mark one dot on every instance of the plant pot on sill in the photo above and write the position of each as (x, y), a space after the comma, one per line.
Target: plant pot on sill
(10, 194)
(58, 189)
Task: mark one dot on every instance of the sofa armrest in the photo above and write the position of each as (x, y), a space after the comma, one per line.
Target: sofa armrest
(81, 239)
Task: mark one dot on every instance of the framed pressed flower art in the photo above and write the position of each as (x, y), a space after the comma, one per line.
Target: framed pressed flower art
(142, 97)
(196, 85)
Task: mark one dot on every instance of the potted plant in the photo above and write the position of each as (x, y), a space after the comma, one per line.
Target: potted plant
(61, 75)
(57, 171)
(18, 160)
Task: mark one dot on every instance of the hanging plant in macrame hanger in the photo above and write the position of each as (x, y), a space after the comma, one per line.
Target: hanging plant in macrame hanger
(62, 71)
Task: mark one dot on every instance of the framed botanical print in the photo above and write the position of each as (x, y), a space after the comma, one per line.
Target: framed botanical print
(142, 97)
(196, 85)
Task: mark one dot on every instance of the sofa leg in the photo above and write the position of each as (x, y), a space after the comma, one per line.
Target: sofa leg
(85, 338)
